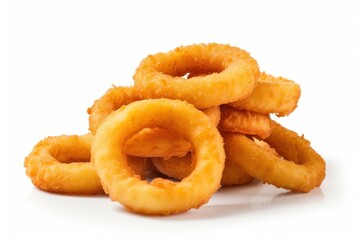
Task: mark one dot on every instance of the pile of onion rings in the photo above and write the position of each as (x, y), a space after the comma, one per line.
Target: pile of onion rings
(197, 118)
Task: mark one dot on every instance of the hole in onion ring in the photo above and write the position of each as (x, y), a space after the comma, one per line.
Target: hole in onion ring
(174, 168)
(194, 67)
(166, 155)
(198, 74)
(63, 152)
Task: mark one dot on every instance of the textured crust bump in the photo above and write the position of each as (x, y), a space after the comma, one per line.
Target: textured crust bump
(245, 122)
(300, 170)
(271, 95)
(231, 75)
(163, 197)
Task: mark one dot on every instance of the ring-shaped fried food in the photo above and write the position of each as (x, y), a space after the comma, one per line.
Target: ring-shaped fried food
(300, 170)
(163, 196)
(231, 71)
(149, 142)
(61, 164)
(271, 95)
(245, 122)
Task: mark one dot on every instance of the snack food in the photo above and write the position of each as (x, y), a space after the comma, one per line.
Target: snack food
(61, 164)
(300, 170)
(155, 142)
(244, 121)
(163, 196)
(168, 124)
(231, 75)
(271, 95)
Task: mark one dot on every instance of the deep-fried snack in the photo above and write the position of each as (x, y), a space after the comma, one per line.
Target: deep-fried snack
(137, 139)
(271, 95)
(244, 121)
(61, 164)
(300, 170)
(232, 75)
(148, 142)
(163, 196)
(180, 167)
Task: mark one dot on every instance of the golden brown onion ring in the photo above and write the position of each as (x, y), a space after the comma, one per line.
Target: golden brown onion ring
(244, 121)
(301, 169)
(271, 95)
(148, 142)
(61, 164)
(163, 196)
(233, 75)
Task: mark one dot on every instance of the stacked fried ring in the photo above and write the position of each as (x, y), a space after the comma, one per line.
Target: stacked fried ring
(196, 119)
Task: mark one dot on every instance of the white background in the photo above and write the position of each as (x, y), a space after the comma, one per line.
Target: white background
(57, 57)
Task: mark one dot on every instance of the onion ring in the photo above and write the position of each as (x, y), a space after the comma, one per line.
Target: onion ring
(163, 197)
(61, 164)
(233, 71)
(271, 95)
(245, 122)
(155, 142)
(301, 169)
